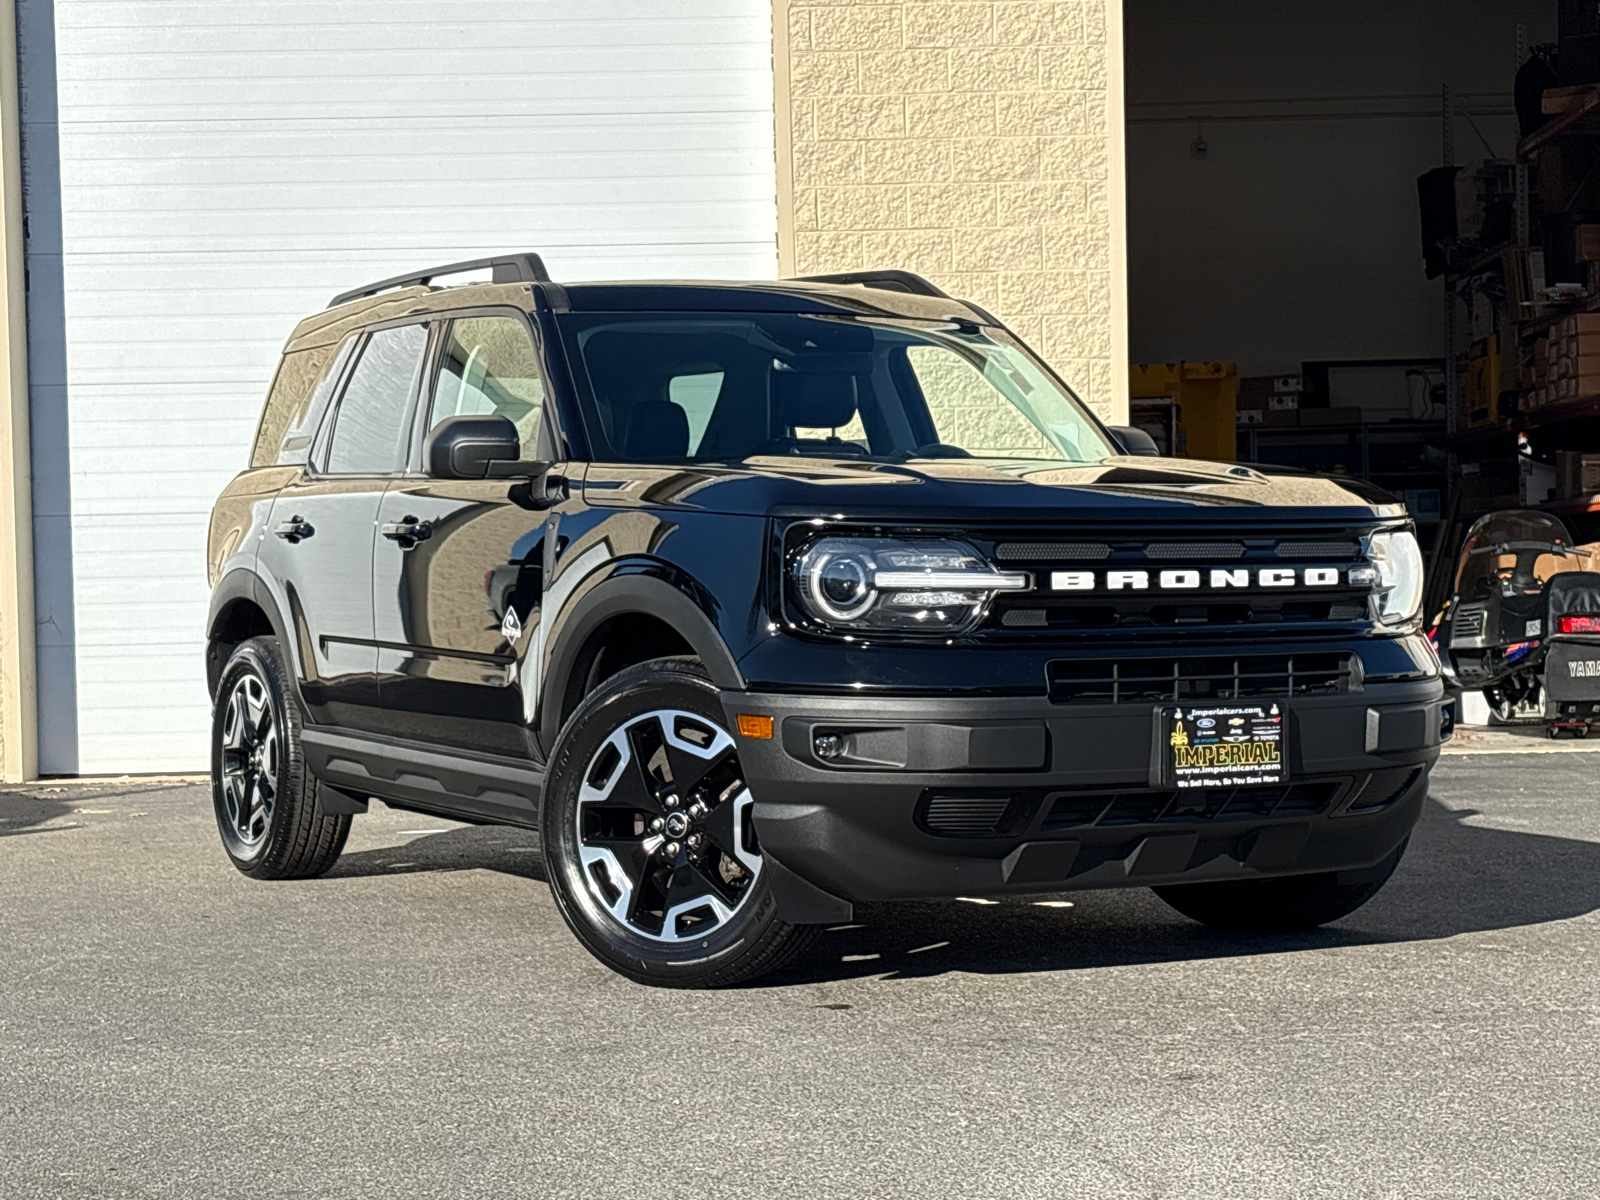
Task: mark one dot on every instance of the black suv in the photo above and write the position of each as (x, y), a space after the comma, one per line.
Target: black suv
(759, 600)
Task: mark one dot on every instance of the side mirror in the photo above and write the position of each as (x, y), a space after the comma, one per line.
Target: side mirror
(1132, 441)
(472, 448)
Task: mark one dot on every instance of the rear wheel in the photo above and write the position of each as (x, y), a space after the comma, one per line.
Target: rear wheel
(1281, 905)
(265, 799)
(649, 835)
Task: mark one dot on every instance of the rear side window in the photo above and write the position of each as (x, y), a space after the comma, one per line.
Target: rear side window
(289, 403)
(490, 368)
(370, 428)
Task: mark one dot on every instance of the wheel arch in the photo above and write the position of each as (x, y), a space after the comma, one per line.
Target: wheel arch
(639, 616)
(241, 608)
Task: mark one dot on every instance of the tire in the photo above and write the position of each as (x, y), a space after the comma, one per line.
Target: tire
(265, 799)
(648, 838)
(1286, 905)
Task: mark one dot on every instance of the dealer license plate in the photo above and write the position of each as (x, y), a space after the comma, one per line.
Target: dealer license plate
(1235, 745)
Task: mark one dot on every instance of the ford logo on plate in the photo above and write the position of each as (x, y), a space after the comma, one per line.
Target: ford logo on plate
(1205, 722)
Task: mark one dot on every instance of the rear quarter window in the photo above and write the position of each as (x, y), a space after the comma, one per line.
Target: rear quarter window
(288, 417)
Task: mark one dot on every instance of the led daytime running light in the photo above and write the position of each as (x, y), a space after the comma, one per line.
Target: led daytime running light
(977, 581)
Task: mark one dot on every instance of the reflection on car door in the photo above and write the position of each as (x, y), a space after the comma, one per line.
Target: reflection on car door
(459, 565)
(319, 559)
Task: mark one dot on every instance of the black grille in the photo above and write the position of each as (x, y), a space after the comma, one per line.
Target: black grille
(1337, 551)
(1154, 611)
(1068, 809)
(1206, 551)
(965, 815)
(1128, 680)
(1052, 551)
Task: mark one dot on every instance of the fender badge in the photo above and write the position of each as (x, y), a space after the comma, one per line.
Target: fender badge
(511, 627)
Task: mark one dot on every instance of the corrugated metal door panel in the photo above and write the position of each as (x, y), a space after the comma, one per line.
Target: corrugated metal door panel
(224, 169)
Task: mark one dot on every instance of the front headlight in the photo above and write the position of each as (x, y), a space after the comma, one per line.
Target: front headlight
(861, 585)
(1395, 574)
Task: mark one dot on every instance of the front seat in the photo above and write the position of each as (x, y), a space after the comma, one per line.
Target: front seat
(803, 400)
(656, 429)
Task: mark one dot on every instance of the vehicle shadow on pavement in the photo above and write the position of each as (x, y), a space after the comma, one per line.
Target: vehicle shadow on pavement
(473, 848)
(1456, 878)
(29, 812)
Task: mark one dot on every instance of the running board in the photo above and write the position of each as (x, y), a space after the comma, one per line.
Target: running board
(503, 791)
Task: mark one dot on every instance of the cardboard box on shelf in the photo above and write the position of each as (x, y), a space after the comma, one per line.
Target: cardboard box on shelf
(1578, 323)
(1254, 390)
(1279, 417)
(1248, 416)
(1283, 402)
(1577, 474)
(1289, 383)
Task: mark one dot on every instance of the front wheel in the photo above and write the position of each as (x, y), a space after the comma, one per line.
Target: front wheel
(649, 836)
(1281, 905)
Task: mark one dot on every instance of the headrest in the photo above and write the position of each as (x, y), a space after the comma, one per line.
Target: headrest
(814, 401)
(656, 429)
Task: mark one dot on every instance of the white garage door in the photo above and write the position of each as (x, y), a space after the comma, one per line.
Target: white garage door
(224, 168)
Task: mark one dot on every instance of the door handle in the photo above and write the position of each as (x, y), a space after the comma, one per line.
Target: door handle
(295, 529)
(408, 531)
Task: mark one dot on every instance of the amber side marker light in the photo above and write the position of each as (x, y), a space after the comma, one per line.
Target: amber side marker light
(751, 726)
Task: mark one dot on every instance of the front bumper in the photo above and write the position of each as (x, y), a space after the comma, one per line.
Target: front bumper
(983, 796)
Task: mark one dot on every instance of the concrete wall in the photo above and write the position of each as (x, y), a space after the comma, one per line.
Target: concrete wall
(1296, 236)
(979, 144)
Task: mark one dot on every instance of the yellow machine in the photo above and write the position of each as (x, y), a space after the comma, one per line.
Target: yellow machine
(1187, 407)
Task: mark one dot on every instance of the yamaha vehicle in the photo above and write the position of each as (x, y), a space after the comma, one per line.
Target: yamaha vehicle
(1523, 623)
(763, 600)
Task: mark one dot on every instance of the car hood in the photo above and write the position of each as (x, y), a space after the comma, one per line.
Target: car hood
(1117, 488)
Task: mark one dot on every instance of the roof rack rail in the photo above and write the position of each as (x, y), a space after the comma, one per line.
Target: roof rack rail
(893, 281)
(508, 268)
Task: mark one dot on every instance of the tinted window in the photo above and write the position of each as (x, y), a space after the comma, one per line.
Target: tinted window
(369, 433)
(490, 368)
(290, 401)
(720, 387)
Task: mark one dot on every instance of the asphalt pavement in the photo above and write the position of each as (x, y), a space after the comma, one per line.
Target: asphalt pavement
(419, 1023)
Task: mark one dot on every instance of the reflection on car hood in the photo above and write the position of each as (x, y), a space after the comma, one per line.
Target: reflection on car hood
(1028, 489)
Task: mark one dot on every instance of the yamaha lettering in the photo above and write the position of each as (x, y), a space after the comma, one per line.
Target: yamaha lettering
(1584, 668)
(1215, 579)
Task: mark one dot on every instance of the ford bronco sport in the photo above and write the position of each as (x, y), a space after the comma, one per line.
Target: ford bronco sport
(762, 600)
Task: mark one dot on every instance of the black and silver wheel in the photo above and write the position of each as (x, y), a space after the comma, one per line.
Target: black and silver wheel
(251, 752)
(265, 799)
(650, 837)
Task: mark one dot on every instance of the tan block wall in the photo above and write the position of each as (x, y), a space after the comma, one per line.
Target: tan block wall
(979, 144)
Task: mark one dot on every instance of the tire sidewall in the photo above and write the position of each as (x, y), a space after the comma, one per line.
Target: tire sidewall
(259, 657)
(661, 684)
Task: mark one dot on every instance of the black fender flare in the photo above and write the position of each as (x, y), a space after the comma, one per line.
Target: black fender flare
(646, 592)
(243, 584)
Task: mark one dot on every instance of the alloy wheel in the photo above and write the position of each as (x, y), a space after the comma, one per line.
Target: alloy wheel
(665, 833)
(250, 761)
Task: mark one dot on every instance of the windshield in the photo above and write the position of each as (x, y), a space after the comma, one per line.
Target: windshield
(1515, 553)
(722, 387)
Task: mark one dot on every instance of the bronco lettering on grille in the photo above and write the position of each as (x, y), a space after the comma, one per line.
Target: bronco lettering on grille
(1190, 581)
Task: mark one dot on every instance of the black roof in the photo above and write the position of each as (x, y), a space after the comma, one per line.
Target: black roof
(882, 292)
